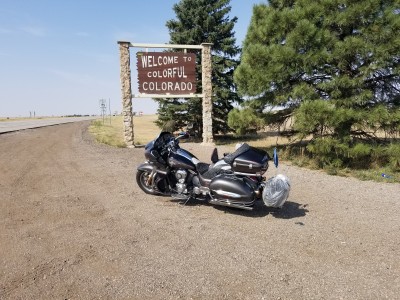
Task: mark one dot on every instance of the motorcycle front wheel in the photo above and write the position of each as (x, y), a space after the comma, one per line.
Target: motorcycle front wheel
(142, 178)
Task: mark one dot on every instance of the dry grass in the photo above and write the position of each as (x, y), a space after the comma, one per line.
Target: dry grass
(112, 133)
(11, 119)
(144, 129)
(261, 140)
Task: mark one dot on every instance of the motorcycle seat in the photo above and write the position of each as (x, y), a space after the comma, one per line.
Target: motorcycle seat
(239, 151)
(207, 173)
(202, 168)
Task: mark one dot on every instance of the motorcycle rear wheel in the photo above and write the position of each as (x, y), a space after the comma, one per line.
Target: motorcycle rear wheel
(142, 179)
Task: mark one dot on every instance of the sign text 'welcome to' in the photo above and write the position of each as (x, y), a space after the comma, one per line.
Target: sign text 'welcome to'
(166, 73)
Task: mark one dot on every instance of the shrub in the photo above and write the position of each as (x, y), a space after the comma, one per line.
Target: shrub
(394, 156)
(244, 121)
(169, 126)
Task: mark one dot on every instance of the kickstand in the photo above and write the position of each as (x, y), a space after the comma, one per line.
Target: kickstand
(187, 200)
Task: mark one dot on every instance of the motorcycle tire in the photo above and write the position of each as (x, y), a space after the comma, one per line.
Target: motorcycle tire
(141, 179)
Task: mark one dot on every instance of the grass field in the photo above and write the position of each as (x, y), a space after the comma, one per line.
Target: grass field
(146, 130)
(111, 131)
(260, 140)
(11, 119)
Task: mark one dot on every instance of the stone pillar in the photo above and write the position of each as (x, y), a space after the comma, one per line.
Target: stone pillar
(207, 93)
(126, 91)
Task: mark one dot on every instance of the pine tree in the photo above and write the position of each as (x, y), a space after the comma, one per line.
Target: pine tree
(332, 64)
(204, 21)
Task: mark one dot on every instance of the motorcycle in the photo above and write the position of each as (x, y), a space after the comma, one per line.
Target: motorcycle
(236, 180)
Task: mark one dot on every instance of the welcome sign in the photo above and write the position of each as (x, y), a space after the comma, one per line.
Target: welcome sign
(166, 73)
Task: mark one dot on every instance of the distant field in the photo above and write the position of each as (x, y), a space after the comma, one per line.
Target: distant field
(111, 131)
(5, 119)
(144, 129)
(261, 140)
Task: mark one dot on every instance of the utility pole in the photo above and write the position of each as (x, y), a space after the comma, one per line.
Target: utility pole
(109, 108)
(103, 108)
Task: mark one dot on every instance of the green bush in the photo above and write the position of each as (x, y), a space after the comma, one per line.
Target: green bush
(244, 121)
(394, 156)
(169, 126)
(313, 117)
(331, 154)
(328, 151)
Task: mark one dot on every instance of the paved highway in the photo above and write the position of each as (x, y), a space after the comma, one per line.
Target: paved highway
(9, 126)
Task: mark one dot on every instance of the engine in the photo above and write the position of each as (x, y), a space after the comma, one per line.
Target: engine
(180, 176)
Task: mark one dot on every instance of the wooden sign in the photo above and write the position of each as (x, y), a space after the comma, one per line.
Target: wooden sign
(164, 73)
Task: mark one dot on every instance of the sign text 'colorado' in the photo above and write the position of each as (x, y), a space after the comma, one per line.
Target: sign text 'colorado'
(166, 73)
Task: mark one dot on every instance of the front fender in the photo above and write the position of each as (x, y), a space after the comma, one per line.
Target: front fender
(151, 168)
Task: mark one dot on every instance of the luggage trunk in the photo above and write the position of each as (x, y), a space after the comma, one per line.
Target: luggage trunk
(253, 161)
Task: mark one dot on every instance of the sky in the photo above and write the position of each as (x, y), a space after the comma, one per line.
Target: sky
(61, 57)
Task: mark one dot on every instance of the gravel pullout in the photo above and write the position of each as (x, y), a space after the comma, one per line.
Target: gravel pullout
(74, 225)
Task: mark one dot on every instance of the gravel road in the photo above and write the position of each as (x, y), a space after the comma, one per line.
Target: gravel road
(74, 225)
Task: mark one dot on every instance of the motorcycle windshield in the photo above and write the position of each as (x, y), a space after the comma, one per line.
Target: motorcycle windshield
(149, 145)
(162, 139)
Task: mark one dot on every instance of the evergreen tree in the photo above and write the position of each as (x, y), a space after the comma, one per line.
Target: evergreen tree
(204, 21)
(333, 64)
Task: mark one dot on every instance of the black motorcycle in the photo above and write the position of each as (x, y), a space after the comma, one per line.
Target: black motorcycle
(236, 180)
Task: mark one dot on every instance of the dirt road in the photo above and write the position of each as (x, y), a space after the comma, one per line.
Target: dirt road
(74, 225)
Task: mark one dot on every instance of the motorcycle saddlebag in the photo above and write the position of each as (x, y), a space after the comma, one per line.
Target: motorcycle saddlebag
(248, 160)
(227, 187)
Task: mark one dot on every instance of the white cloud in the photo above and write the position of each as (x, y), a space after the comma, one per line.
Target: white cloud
(35, 31)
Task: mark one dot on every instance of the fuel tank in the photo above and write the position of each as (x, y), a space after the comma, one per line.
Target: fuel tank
(182, 159)
(232, 189)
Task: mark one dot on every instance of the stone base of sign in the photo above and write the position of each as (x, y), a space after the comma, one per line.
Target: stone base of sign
(126, 91)
(207, 94)
(128, 128)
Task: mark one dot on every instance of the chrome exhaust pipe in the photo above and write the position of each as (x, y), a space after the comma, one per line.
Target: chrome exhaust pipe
(228, 204)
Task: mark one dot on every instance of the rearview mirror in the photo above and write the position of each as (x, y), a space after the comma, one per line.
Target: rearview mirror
(183, 135)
